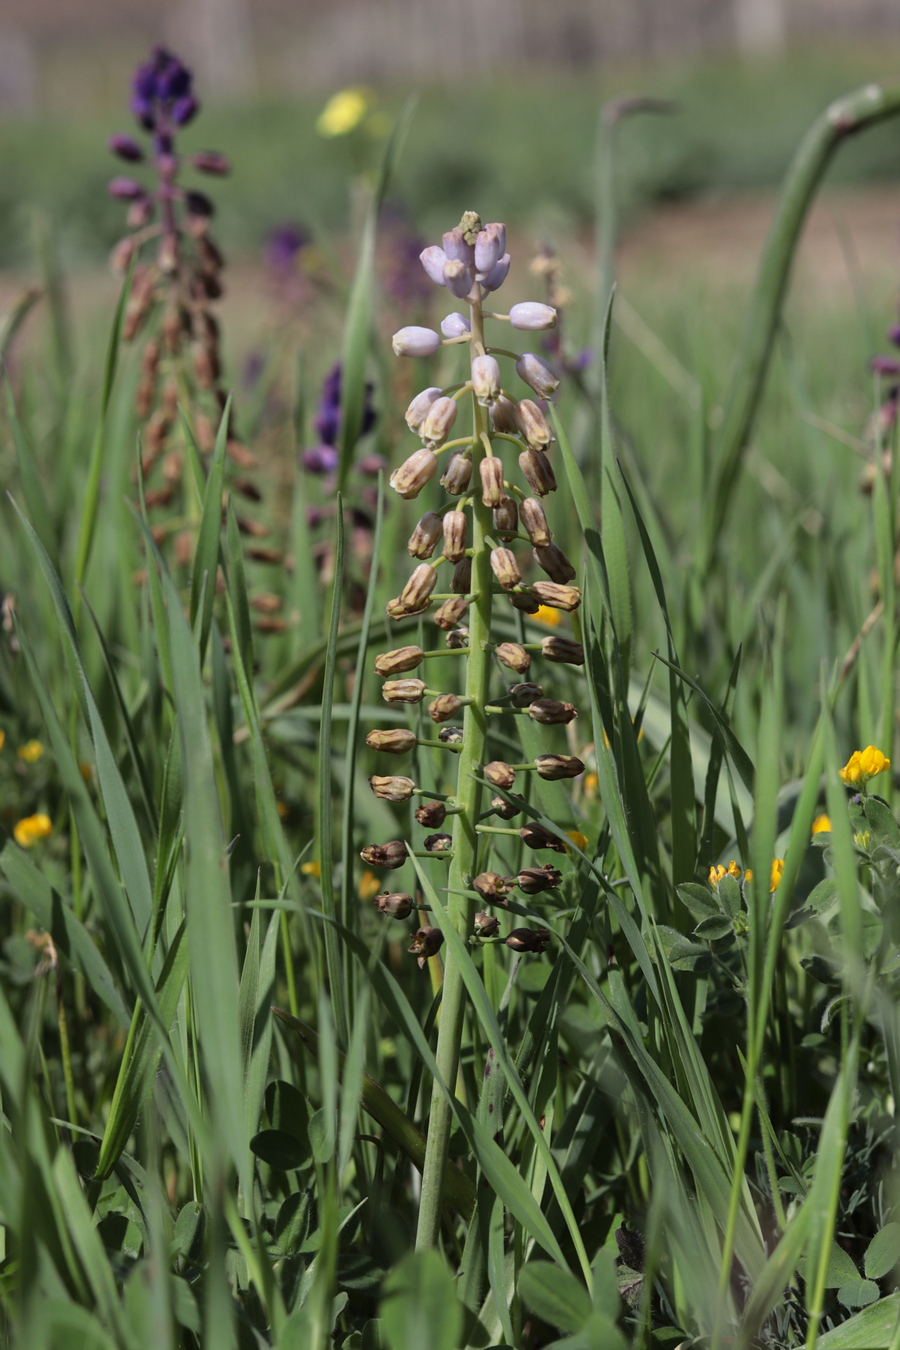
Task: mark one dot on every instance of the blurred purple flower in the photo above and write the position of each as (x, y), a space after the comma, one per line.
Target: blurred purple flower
(885, 365)
(282, 246)
(402, 277)
(161, 91)
(320, 459)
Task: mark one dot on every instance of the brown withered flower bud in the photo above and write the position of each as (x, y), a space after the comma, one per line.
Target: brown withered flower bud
(486, 925)
(424, 538)
(409, 479)
(492, 887)
(399, 660)
(458, 639)
(559, 766)
(521, 695)
(504, 809)
(554, 562)
(506, 516)
(403, 691)
(552, 712)
(143, 398)
(534, 522)
(564, 650)
(419, 587)
(505, 567)
(449, 613)
(395, 610)
(525, 601)
(533, 880)
(499, 774)
(556, 596)
(491, 470)
(394, 904)
(535, 836)
(458, 474)
(513, 656)
(532, 424)
(205, 364)
(438, 843)
(450, 735)
(461, 582)
(393, 788)
(528, 939)
(427, 942)
(431, 814)
(455, 530)
(392, 854)
(395, 741)
(444, 707)
(538, 472)
(503, 416)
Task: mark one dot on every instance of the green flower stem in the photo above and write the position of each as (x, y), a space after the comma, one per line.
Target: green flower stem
(461, 908)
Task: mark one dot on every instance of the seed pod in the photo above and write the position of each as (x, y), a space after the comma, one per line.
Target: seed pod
(439, 422)
(427, 942)
(394, 904)
(538, 472)
(503, 416)
(458, 474)
(450, 735)
(394, 741)
(444, 707)
(531, 317)
(395, 662)
(492, 887)
(423, 540)
(534, 522)
(491, 470)
(414, 341)
(458, 639)
(420, 407)
(521, 695)
(506, 516)
(562, 650)
(532, 424)
(556, 596)
(461, 582)
(431, 814)
(504, 809)
(409, 479)
(499, 774)
(536, 373)
(393, 788)
(486, 925)
(393, 854)
(525, 601)
(528, 939)
(535, 836)
(559, 766)
(513, 656)
(485, 380)
(551, 712)
(419, 587)
(533, 880)
(455, 530)
(438, 843)
(555, 563)
(505, 567)
(403, 691)
(450, 612)
(490, 246)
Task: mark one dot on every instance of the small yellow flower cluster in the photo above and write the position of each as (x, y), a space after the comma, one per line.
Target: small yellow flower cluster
(578, 839)
(821, 825)
(863, 765)
(343, 112)
(2, 738)
(31, 830)
(30, 752)
(716, 873)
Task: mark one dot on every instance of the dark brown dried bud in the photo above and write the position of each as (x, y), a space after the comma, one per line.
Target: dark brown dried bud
(554, 562)
(247, 488)
(150, 359)
(505, 567)
(431, 814)
(532, 424)
(535, 836)
(449, 613)
(557, 596)
(533, 880)
(392, 854)
(427, 942)
(143, 398)
(211, 260)
(506, 516)
(504, 809)
(424, 538)
(521, 695)
(419, 587)
(395, 741)
(538, 472)
(458, 639)
(503, 416)
(450, 735)
(444, 707)
(461, 582)
(563, 650)
(270, 625)
(403, 691)
(492, 887)
(394, 904)
(552, 712)
(499, 774)
(242, 455)
(438, 843)
(559, 766)
(412, 475)
(524, 601)
(266, 555)
(528, 939)
(534, 522)
(486, 925)
(393, 788)
(458, 474)
(204, 367)
(170, 401)
(491, 470)
(400, 659)
(513, 656)
(455, 530)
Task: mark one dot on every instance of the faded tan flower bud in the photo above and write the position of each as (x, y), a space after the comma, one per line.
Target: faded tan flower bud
(427, 942)
(536, 373)
(556, 596)
(491, 470)
(399, 660)
(403, 691)
(565, 651)
(532, 424)
(439, 422)
(412, 475)
(486, 925)
(499, 774)
(534, 522)
(458, 474)
(450, 612)
(455, 530)
(393, 854)
(395, 741)
(559, 766)
(492, 887)
(506, 516)
(521, 695)
(555, 563)
(551, 712)
(431, 814)
(394, 904)
(424, 538)
(504, 809)
(533, 880)
(485, 380)
(538, 472)
(503, 416)
(393, 788)
(438, 843)
(528, 939)
(420, 407)
(458, 640)
(461, 583)
(535, 836)
(419, 587)
(444, 707)
(505, 567)
(513, 656)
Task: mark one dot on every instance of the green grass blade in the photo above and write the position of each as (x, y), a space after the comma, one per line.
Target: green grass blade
(206, 558)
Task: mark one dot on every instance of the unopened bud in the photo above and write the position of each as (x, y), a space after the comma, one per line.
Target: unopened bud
(506, 516)
(503, 416)
(403, 691)
(126, 147)
(431, 814)
(455, 325)
(456, 246)
(538, 472)
(394, 741)
(491, 470)
(449, 613)
(522, 695)
(554, 562)
(392, 854)
(125, 189)
(551, 712)
(433, 259)
(457, 278)
(536, 373)
(565, 651)
(438, 843)
(486, 925)
(497, 275)
(423, 540)
(458, 639)
(559, 766)
(532, 424)
(427, 942)
(505, 567)
(458, 474)
(492, 887)
(556, 596)
(444, 707)
(414, 341)
(455, 530)
(437, 425)
(394, 904)
(420, 585)
(395, 662)
(450, 735)
(528, 939)
(420, 407)
(490, 246)
(412, 475)
(504, 809)
(209, 161)
(531, 316)
(461, 582)
(499, 774)
(485, 380)
(514, 657)
(533, 880)
(535, 836)
(393, 788)
(534, 522)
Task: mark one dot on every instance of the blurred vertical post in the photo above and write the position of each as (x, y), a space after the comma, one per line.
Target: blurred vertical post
(218, 35)
(760, 27)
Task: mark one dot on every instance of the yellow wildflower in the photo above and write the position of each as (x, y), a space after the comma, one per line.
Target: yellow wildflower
(31, 751)
(547, 615)
(821, 824)
(2, 737)
(777, 870)
(591, 783)
(86, 771)
(863, 765)
(311, 869)
(343, 112)
(716, 873)
(32, 829)
(578, 839)
(282, 808)
(733, 870)
(369, 886)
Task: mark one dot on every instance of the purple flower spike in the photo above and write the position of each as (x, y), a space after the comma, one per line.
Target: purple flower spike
(126, 147)
(184, 110)
(320, 459)
(143, 111)
(125, 189)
